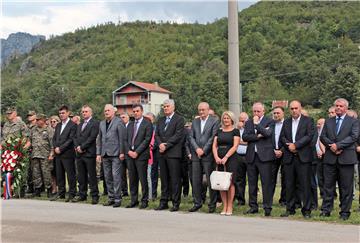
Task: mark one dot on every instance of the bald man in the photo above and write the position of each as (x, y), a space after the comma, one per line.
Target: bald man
(296, 136)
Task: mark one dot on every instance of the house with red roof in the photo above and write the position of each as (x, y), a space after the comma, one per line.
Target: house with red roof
(149, 95)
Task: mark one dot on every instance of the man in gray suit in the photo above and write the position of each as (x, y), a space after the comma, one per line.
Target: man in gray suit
(201, 138)
(339, 136)
(110, 151)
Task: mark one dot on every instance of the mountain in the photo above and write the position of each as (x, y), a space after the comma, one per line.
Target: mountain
(18, 44)
(288, 50)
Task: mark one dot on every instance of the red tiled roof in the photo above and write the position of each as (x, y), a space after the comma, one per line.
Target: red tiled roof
(150, 87)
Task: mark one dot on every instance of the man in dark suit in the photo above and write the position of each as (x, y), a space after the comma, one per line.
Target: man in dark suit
(278, 116)
(260, 158)
(296, 136)
(110, 152)
(63, 144)
(85, 146)
(139, 133)
(358, 154)
(201, 137)
(169, 135)
(339, 136)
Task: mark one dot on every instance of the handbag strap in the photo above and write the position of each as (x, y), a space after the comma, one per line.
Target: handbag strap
(217, 167)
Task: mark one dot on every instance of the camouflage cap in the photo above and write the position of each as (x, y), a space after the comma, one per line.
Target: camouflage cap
(10, 110)
(41, 117)
(31, 113)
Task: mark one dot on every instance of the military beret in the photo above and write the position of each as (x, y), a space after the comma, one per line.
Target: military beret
(10, 110)
(41, 117)
(31, 113)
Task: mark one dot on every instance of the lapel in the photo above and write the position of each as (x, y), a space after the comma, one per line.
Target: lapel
(207, 124)
(140, 126)
(86, 127)
(111, 123)
(298, 127)
(65, 128)
(171, 122)
(343, 124)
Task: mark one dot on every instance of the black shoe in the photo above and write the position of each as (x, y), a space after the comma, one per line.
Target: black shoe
(174, 209)
(95, 200)
(194, 208)
(287, 213)
(79, 199)
(132, 205)
(212, 209)
(267, 212)
(109, 203)
(116, 204)
(162, 207)
(344, 216)
(307, 215)
(57, 197)
(125, 194)
(252, 211)
(37, 192)
(143, 205)
(70, 199)
(324, 214)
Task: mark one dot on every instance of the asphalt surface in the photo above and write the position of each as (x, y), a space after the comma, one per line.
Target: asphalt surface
(44, 221)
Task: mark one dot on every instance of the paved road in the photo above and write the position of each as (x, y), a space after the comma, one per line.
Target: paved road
(43, 221)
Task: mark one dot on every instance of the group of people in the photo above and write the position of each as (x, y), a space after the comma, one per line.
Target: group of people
(308, 156)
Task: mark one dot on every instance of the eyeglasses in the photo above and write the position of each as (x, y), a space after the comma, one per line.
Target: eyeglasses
(53, 121)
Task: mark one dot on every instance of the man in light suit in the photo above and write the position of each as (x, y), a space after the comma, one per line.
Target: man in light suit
(63, 143)
(85, 146)
(201, 137)
(169, 135)
(339, 136)
(297, 136)
(124, 185)
(139, 133)
(260, 158)
(110, 151)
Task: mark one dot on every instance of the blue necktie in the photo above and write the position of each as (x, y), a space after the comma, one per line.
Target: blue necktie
(167, 121)
(338, 119)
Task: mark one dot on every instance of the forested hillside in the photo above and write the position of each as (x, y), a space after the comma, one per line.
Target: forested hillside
(304, 50)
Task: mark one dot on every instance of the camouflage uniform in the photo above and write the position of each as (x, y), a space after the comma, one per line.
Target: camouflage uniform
(17, 129)
(41, 141)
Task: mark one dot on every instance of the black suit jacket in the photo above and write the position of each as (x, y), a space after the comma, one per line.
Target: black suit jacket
(203, 140)
(173, 136)
(86, 139)
(358, 143)
(264, 144)
(142, 139)
(345, 140)
(303, 139)
(65, 140)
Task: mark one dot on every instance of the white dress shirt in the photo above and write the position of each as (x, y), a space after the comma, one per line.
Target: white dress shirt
(294, 127)
(278, 127)
(63, 125)
(202, 123)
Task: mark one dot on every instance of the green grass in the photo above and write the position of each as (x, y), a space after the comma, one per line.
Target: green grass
(239, 211)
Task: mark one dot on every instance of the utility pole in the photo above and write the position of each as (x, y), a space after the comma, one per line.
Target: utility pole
(233, 58)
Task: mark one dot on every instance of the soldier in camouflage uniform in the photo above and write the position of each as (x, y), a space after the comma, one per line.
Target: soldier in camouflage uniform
(14, 128)
(31, 118)
(41, 156)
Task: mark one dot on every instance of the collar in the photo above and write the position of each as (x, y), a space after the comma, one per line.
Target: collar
(66, 122)
(204, 119)
(298, 119)
(342, 117)
(139, 120)
(172, 114)
(87, 120)
(279, 122)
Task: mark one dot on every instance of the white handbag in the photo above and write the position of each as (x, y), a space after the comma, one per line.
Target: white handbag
(220, 180)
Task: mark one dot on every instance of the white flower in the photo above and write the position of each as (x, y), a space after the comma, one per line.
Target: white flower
(12, 164)
(8, 156)
(5, 160)
(18, 170)
(15, 156)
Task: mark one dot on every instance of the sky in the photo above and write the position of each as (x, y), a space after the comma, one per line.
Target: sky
(55, 17)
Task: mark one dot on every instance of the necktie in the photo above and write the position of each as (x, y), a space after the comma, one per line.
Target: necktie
(338, 119)
(134, 133)
(84, 125)
(167, 121)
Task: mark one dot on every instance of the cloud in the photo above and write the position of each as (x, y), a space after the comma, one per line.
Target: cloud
(55, 19)
(52, 17)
